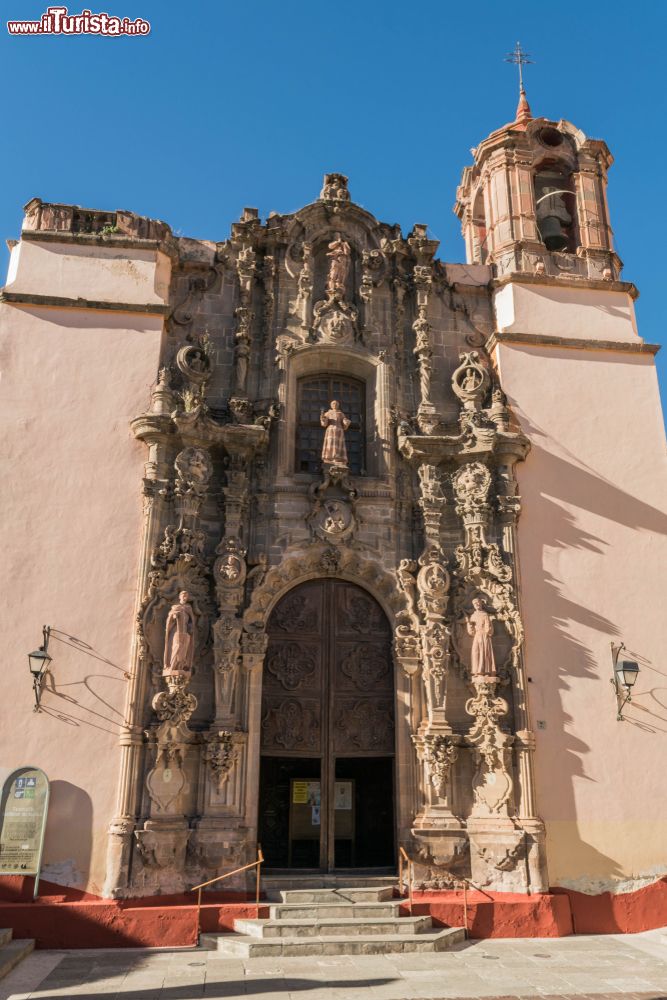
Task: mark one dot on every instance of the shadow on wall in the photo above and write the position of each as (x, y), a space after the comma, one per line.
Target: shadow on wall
(90, 700)
(67, 848)
(562, 482)
(68, 836)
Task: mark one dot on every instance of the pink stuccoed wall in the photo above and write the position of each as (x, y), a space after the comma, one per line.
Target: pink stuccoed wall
(71, 381)
(593, 558)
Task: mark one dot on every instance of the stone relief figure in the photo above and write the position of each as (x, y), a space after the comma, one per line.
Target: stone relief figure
(335, 518)
(471, 380)
(179, 641)
(480, 627)
(336, 423)
(339, 254)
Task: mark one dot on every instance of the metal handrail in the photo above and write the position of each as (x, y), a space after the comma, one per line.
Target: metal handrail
(253, 864)
(460, 881)
(404, 861)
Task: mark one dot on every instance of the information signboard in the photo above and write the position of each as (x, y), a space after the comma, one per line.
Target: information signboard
(23, 808)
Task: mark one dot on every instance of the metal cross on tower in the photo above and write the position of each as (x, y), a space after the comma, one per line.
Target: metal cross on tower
(520, 59)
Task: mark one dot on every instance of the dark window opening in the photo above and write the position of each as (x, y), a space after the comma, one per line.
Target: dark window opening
(314, 395)
(556, 210)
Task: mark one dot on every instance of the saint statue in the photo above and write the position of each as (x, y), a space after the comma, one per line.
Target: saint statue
(179, 641)
(339, 254)
(334, 451)
(480, 627)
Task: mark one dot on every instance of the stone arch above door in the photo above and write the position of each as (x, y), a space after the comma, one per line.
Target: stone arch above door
(319, 560)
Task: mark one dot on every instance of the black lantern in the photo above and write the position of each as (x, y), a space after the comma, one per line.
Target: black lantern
(625, 676)
(39, 663)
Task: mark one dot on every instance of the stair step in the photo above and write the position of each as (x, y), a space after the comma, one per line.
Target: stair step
(347, 894)
(236, 945)
(336, 927)
(14, 952)
(317, 911)
(5, 935)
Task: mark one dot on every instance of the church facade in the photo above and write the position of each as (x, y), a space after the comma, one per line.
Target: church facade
(339, 543)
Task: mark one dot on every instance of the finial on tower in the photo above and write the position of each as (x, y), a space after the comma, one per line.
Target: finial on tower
(520, 58)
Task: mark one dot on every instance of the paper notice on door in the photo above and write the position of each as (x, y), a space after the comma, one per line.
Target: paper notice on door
(300, 793)
(315, 816)
(343, 795)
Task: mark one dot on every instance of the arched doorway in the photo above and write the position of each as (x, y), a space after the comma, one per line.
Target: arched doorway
(327, 731)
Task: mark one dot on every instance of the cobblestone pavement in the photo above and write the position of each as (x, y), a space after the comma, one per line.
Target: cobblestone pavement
(633, 966)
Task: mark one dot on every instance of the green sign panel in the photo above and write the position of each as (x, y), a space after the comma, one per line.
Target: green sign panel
(23, 808)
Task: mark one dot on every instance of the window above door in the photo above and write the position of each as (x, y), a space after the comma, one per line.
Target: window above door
(314, 394)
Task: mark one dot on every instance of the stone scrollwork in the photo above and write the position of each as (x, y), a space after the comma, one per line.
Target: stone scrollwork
(333, 518)
(220, 754)
(439, 754)
(229, 572)
(492, 783)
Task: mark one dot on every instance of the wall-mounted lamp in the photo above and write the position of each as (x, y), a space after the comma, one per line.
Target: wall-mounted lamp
(625, 675)
(39, 663)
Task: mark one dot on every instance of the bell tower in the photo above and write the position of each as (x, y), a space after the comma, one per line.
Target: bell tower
(534, 201)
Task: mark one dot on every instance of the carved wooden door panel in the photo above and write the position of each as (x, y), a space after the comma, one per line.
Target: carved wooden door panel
(328, 686)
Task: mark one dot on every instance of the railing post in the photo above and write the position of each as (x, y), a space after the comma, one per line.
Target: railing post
(465, 910)
(198, 916)
(258, 870)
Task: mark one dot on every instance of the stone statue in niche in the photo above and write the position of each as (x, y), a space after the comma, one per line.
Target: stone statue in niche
(480, 627)
(336, 423)
(179, 640)
(471, 380)
(339, 254)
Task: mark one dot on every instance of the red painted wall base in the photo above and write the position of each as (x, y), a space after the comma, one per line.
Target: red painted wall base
(69, 918)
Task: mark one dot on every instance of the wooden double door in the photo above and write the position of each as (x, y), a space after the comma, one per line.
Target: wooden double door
(327, 741)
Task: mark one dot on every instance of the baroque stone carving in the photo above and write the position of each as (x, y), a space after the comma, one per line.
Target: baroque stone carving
(471, 381)
(229, 572)
(179, 645)
(336, 423)
(480, 627)
(439, 753)
(335, 188)
(335, 318)
(220, 754)
(492, 783)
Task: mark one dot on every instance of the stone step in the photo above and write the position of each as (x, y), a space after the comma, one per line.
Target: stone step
(13, 953)
(318, 911)
(5, 936)
(238, 946)
(344, 894)
(273, 883)
(336, 927)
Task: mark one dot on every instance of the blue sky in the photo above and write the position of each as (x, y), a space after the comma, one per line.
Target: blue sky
(231, 104)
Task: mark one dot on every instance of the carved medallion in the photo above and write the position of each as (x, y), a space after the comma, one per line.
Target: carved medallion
(365, 666)
(295, 613)
(291, 664)
(360, 614)
(365, 725)
(333, 521)
(292, 725)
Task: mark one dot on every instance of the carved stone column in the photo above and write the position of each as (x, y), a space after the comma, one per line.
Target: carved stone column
(426, 414)
(239, 403)
(155, 429)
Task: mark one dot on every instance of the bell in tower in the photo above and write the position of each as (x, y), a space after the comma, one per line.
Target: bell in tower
(535, 192)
